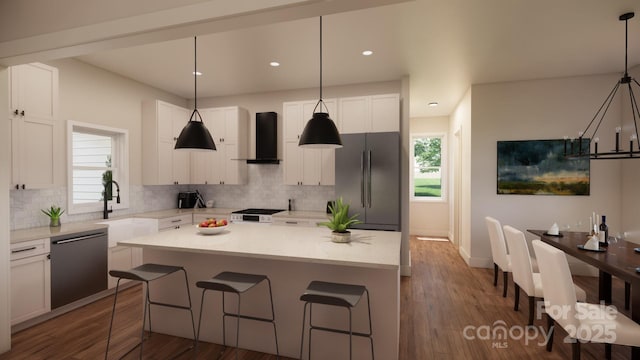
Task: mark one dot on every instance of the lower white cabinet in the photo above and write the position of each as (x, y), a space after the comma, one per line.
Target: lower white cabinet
(123, 258)
(174, 222)
(30, 280)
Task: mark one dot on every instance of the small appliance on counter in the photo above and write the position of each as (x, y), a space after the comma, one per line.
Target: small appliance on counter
(255, 215)
(190, 200)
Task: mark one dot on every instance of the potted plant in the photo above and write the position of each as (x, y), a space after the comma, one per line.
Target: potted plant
(53, 213)
(339, 221)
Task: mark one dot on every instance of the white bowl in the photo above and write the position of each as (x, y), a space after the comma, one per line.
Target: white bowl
(211, 230)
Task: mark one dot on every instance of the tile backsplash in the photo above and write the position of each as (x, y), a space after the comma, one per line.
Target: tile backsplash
(264, 190)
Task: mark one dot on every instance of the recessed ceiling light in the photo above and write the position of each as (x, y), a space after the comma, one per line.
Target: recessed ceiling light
(274, 63)
(197, 73)
(367, 53)
(433, 104)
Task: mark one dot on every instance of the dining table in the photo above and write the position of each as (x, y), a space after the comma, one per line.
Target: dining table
(619, 258)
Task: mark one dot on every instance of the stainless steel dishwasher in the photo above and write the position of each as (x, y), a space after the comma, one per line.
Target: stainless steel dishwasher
(78, 266)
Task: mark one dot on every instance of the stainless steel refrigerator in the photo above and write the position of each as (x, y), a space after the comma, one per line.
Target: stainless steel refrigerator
(368, 178)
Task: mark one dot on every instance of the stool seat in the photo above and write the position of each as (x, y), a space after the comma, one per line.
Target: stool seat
(334, 294)
(145, 272)
(231, 282)
(328, 293)
(237, 283)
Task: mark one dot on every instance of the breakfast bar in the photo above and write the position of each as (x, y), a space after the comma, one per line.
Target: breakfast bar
(291, 257)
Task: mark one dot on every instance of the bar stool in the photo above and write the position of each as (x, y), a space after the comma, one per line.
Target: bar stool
(236, 283)
(335, 294)
(146, 273)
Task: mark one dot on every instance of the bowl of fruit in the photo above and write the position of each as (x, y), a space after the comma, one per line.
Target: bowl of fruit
(212, 226)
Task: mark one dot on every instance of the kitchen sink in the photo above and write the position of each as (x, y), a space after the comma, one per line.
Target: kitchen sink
(127, 228)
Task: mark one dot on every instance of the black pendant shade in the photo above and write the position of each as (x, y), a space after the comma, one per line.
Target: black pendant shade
(320, 132)
(195, 136)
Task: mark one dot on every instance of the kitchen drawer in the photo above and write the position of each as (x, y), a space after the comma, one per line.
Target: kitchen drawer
(25, 249)
(298, 222)
(174, 222)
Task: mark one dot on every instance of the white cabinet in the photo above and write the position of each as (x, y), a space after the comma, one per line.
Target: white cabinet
(33, 115)
(174, 222)
(306, 166)
(30, 279)
(122, 258)
(161, 163)
(376, 113)
(229, 127)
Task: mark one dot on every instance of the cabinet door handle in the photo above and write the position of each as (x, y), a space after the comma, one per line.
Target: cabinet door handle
(175, 138)
(291, 222)
(15, 112)
(23, 187)
(17, 187)
(23, 250)
(22, 113)
(176, 221)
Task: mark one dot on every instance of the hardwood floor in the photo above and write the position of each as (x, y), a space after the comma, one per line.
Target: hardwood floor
(442, 298)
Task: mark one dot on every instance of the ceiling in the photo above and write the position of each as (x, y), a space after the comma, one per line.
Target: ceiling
(444, 46)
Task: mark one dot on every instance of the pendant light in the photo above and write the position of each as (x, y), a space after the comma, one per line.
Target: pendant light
(195, 136)
(320, 131)
(581, 147)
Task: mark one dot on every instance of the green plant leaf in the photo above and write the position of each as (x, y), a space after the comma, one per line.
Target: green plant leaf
(339, 221)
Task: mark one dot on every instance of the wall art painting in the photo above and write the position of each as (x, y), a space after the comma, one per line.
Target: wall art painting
(539, 167)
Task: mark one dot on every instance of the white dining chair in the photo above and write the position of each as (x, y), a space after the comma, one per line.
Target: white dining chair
(522, 271)
(583, 322)
(501, 258)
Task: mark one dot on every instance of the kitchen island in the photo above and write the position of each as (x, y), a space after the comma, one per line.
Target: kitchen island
(291, 257)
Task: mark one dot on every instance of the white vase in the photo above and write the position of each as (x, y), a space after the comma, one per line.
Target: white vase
(341, 237)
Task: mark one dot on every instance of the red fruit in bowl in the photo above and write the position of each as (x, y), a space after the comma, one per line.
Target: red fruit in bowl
(203, 224)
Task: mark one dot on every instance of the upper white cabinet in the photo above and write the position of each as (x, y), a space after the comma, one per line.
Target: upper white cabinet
(229, 127)
(33, 114)
(306, 166)
(161, 163)
(376, 113)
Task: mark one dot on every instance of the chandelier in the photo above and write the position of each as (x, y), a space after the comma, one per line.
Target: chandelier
(581, 147)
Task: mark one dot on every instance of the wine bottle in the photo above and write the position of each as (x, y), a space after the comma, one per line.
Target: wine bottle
(604, 232)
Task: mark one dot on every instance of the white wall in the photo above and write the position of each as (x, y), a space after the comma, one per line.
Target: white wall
(461, 163)
(5, 164)
(431, 217)
(93, 95)
(630, 176)
(539, 109)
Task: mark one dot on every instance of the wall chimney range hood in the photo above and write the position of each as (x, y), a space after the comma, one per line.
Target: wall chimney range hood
(266, 139)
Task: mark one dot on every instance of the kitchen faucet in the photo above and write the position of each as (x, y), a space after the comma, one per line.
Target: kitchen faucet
(105, 213)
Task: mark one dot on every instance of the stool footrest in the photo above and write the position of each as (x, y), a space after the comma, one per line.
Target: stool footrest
(339, 331)
(248, 317)
(170, 305)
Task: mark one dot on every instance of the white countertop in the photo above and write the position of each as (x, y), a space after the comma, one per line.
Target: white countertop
(368, 248)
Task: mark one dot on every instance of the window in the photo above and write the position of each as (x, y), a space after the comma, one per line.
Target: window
(96, 155)
(427, 167)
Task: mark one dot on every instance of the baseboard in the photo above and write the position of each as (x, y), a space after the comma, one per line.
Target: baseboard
(429, 232)
(475, 262)
(405, 270)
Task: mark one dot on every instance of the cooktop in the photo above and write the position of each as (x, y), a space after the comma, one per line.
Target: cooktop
(253, 211)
